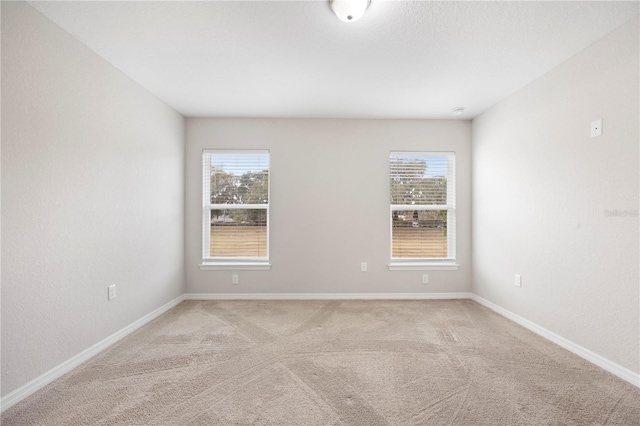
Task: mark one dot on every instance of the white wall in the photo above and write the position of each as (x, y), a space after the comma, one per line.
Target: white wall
(92, 195)
(541, 186)
(329, 203)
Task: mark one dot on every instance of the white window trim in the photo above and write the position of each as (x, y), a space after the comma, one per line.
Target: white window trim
(434, 264)
(235, 266)
(230, 263)
(423, 266)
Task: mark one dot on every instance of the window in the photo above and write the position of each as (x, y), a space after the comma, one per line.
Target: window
(423, 210)
(235, 210)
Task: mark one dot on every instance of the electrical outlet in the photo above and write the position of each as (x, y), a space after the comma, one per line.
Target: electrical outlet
(363, 267)
(596, 128)
(234, 279)
(112, 291)
(425, 278)
(518, 280)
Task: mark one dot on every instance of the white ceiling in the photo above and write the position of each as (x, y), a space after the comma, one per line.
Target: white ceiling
(296, 59)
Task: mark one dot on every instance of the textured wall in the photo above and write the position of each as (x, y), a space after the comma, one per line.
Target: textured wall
(329, 203)
(541, 191)
(92, 195)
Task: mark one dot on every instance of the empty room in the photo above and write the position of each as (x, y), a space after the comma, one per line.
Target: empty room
(325, 212)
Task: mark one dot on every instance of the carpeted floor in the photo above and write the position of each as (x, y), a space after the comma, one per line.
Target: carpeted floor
(332, 363)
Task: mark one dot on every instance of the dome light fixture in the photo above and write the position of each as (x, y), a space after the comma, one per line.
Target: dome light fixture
(457, 111)
(349, 10)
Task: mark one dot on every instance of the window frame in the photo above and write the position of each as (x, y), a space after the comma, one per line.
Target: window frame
(416, 264)
(223, 262)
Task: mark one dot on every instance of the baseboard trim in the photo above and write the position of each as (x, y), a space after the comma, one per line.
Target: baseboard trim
(602, 362)
(24, 391)
(326, 296)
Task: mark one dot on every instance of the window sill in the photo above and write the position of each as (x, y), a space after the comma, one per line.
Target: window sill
(422, 266)
(235, 266)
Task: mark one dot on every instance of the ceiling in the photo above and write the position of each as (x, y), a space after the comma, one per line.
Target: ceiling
(402, 59)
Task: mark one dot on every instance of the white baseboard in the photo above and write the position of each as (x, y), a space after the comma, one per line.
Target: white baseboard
(24, 391)
(326, 296)
(594, 358)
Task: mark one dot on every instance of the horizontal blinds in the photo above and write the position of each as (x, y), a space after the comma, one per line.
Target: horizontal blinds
(238, 233)
(235, 204)
(238, 178)
(422, 188)
(419, 179)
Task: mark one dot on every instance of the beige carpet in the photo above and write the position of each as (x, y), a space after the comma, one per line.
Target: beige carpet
(332, 363)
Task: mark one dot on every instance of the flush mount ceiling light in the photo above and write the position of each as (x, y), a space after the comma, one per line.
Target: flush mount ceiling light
(349, 10)
(457, 111)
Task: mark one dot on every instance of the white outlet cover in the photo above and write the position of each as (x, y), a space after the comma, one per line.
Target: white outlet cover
(363, 267)
(112, 291)
(596, 128)
(518, 281)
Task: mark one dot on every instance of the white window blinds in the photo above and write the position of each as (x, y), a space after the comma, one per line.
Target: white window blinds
(423, 205)
(235, 201)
